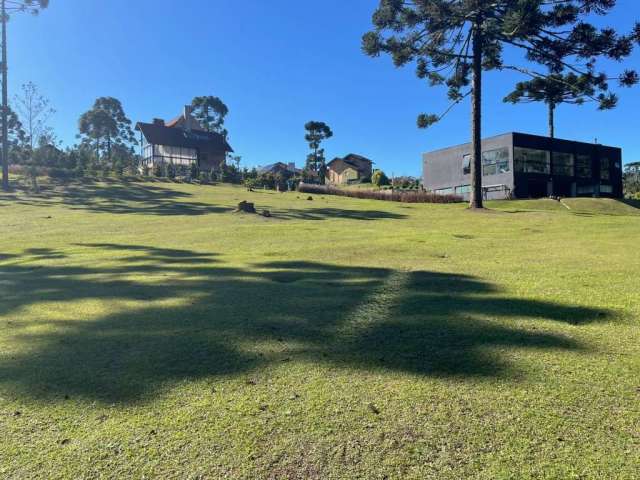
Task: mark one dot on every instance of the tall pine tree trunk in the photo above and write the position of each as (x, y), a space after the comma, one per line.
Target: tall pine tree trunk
(552, 129)
(476, 118)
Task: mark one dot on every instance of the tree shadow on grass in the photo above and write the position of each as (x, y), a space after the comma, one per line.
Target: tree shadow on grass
(631, 202)
(333, 213)
(117, 198)
(173, 315)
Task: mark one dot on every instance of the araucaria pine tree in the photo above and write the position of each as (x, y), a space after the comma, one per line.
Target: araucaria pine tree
(570, 88)
(453, 41)
(211, 112)
(317, 132)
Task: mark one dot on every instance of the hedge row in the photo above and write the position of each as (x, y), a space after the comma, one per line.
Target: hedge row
(419, 196)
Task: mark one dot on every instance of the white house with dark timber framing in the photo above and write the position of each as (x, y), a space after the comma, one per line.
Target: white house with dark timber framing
(182, 141)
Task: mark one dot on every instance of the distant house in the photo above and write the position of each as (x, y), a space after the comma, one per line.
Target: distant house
(280, 167)
(351, 168)
(182, 141)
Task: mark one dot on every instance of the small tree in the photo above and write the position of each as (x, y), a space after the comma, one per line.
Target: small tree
(453, 41)
(317, 132)
(34, 110)
(211, 112)
(379, 179)
(570, 88)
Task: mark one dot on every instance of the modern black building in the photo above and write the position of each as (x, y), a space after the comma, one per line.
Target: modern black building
(519, 165)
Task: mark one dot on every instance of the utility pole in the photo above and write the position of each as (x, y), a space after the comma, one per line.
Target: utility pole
(5, 102)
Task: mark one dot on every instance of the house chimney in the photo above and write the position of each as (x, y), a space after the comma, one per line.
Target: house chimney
(291, 167)
(158, 121)
(187, 117)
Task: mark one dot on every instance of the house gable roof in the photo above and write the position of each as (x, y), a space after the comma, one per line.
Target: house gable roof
(358, 162)
(177, 137)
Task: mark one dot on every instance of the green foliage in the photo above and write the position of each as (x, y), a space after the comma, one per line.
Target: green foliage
(171, 170)
(159, 170)
(107, 128)
(211, 112)
(230, 174)
(251, 183)
(379, 179)
(631, 181)
(205, 176)
(317, 132)
(558, 88)
(194, 171)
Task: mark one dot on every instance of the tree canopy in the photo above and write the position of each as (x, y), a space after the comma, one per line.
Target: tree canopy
(106, 125)
(211, 112)
(570, 88)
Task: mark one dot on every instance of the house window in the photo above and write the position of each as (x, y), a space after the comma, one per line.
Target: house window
(462, 189)
(583, 166)
(563, 164)
(529, 160)
(606, 189)
(495, 161)
(585, 189)
(466, 165)
(605, 169)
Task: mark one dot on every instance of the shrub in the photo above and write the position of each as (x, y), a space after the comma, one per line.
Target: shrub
(251, 183)
(379, 178)
(205, 176)
(159, 170)
(195, 171)
(60, 173)
(171, 171)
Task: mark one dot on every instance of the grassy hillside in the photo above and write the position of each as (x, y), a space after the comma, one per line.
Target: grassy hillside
(148, 331)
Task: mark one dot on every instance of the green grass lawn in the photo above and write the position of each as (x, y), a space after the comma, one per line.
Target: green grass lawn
(147, 331)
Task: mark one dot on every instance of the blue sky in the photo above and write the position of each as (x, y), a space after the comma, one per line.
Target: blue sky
(277, 64)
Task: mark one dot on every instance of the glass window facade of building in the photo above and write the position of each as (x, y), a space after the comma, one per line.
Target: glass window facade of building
(605, 169)
(495, 161)
(583, 166)
(466, 165)
(563, 164)
(529, 160)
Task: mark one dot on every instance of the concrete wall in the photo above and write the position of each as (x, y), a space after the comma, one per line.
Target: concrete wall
(444, 168)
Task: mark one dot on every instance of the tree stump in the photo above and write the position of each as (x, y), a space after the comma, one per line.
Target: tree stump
(246, 207)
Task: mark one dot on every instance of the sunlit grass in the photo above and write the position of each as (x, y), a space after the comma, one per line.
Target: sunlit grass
(146, 330)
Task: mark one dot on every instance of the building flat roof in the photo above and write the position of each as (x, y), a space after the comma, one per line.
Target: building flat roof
(519, 133)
